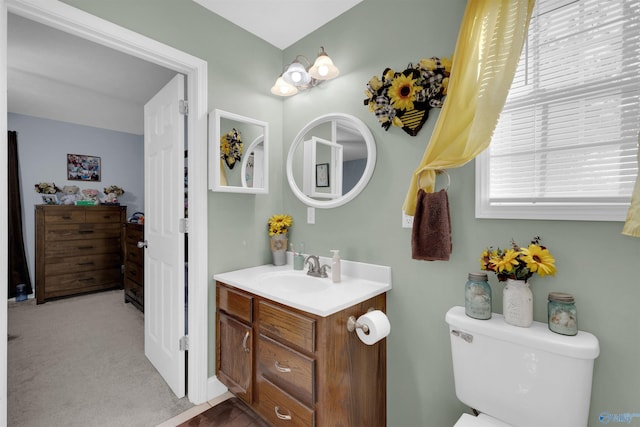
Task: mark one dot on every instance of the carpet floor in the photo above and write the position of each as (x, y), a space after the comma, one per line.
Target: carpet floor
(230, 413)
(80, 362)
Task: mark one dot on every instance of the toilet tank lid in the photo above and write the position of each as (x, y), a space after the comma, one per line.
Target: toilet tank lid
(581, 346)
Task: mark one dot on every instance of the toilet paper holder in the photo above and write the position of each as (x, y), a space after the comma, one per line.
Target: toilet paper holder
(352, 323)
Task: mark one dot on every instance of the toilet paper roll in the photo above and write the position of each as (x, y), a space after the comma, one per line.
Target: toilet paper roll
(378, 324)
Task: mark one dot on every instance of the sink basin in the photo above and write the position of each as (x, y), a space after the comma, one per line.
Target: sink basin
(316, 295)
(292, 281)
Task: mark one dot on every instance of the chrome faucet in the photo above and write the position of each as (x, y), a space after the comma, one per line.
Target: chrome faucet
(314, 267)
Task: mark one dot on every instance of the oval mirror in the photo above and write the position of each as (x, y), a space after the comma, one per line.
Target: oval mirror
(331, 160)
(235, 166)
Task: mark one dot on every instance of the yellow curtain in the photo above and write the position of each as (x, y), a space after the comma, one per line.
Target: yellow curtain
(486, 57)
(632, 224)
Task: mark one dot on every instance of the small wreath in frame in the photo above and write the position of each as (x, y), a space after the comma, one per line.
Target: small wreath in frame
(231, 147)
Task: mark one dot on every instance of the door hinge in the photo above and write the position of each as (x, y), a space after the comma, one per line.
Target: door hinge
(184, 343)
(184, 107)
(184, 225)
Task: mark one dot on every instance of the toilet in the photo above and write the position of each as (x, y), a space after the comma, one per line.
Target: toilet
(522, 377)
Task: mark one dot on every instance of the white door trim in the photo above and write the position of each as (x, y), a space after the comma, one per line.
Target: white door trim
(79, 23)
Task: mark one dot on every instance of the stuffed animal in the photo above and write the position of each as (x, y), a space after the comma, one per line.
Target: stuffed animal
(90, 194)
(69, 194)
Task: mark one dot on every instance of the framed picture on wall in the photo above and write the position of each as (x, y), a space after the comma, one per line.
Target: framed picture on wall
(83, 168)
(322, 175)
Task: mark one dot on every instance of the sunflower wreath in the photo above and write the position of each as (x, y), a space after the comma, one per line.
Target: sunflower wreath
(403, 99)
(231, 147)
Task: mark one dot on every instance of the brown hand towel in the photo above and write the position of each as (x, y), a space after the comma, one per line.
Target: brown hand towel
(431, 236)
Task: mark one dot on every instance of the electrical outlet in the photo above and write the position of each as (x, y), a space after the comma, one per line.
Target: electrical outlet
(407, 221)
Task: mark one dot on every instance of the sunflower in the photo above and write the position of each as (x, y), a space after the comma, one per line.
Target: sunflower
(539, 260)
(403, 92)
(506, 262)
(279, 224)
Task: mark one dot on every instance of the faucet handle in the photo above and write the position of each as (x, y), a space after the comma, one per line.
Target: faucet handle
(323, 270)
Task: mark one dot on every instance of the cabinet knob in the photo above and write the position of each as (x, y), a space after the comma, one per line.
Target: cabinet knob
(142, 244)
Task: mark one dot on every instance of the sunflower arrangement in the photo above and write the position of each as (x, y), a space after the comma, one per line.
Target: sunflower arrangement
(279, 224)
(47, 188)
(403, 99)
(518, 263)
(231, 147)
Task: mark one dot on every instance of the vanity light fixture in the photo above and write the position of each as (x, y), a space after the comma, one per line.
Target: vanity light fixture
(297, 77)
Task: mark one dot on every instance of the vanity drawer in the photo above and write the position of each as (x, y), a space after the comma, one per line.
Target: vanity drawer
(281, 409)
(288, 369)
(235, 303)
(287, 326)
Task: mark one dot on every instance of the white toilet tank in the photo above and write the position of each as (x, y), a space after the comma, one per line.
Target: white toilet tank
(525, 377)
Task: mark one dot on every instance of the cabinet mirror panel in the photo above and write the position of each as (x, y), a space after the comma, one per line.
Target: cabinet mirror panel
(331, 160)
(239, 153)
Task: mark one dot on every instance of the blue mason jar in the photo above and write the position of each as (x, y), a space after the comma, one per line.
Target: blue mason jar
(477, 296)
(563, 316)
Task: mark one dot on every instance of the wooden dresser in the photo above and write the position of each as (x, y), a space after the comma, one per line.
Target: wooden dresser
(134, 265)
(78, 249)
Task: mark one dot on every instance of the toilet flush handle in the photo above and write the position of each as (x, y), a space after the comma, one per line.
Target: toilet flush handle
(465, 336)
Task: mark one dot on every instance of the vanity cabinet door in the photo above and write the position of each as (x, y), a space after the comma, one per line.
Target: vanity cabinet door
(235, 354)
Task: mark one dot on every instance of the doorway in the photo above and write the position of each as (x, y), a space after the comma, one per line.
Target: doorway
(75, 22)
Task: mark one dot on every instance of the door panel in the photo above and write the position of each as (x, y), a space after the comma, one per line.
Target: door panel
(164, 314)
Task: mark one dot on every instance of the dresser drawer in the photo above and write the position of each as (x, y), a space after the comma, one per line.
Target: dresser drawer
(280, 408)
(104, 215)
(286, 368)
(135, 290)
(235, 303)
(134, 272)
(134, 235)
(70, 248)
(56, 232)
(85, 281)
(135, 254)
(69, 264)
(287, 326)
(64, 215)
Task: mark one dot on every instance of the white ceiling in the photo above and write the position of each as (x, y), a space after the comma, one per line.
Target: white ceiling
(280, 22)
(54, 75)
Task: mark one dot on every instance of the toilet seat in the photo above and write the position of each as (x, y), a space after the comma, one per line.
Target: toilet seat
(481, 420)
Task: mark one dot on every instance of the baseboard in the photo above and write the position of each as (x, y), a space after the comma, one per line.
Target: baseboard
(215, 388)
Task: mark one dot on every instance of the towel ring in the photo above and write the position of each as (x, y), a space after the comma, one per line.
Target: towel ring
(438, 172)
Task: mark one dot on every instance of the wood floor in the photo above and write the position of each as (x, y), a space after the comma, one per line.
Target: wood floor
(230, 413)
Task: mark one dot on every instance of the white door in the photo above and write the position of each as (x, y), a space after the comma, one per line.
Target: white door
(164, 277)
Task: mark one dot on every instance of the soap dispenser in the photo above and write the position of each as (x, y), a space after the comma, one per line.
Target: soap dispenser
(335, 266)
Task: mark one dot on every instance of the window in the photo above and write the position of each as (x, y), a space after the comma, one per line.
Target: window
(566, 143)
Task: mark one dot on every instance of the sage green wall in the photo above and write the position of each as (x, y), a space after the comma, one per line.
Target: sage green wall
(595, 262)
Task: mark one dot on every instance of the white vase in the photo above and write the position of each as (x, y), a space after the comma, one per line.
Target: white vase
(517, 303)
(279, 248)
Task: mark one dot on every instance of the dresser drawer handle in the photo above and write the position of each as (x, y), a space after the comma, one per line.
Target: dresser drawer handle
(244, 342)
(133, 272)
(281, 368)
(85, 247)
(86, 263)
(66, 217)
(86, 231)
(281, 416)
(88, 279)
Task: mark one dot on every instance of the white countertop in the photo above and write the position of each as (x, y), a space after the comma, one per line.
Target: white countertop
(360, 281)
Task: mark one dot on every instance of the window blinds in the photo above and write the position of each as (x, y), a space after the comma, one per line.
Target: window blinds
(568, 133)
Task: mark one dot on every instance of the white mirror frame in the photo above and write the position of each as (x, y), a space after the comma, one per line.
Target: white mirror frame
(357, 124)
(214, 156)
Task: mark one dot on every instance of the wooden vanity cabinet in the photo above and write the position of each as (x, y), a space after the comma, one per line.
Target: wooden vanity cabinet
(78, 249)
(307, 370)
